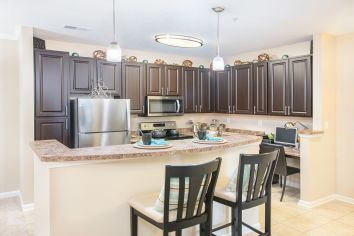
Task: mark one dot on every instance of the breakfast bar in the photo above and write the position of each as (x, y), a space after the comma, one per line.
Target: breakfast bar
(86, 191)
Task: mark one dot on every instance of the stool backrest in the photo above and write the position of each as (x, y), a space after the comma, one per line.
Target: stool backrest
(261, 169)
(201, 184)
(280, 169)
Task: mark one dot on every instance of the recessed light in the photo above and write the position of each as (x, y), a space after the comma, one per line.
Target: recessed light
(72, 27)
(179, 40)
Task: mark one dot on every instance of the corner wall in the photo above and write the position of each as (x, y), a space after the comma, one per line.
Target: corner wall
(9, 118)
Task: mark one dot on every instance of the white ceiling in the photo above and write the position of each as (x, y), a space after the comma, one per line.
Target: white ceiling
(261, 24)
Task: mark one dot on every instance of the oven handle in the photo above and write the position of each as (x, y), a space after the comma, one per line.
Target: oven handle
(178, 105)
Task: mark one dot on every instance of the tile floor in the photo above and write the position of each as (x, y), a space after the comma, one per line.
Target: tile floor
(331, 219)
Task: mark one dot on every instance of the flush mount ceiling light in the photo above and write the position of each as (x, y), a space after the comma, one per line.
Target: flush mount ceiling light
(181, 41)
(218, 61)
(114, 53)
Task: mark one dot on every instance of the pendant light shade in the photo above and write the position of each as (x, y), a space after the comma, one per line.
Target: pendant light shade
(218, 61)
(114, 52)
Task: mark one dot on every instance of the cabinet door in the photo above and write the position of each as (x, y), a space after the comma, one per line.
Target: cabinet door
(260, 82)
(223, 96)
(241, 89)
(133, 85)
(206, 90)
(190, 89)
(173, 80)
(155, 79)
(278, 87)
(82, 74)
(110, 74)
(52, 128)
(51, 83)
(300, 86)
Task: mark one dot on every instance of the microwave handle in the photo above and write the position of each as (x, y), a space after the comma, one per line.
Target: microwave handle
(178, 105)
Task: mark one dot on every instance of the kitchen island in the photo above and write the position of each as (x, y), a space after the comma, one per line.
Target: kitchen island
(86, 191)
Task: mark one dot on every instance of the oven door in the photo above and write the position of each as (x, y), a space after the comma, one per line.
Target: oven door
(164, 106)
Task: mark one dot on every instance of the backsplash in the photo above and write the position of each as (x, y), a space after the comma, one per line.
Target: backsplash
(248, 122)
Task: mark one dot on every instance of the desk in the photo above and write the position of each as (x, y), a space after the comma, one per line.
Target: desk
(292, 152)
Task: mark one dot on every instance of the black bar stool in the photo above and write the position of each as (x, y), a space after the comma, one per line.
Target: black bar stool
(258, 191)
(282, 169)
(196, 210)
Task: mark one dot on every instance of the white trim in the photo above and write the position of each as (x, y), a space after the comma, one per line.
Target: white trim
(344, 199)
(317, 202)
(27, 207)
(10, 194)
(9, 36)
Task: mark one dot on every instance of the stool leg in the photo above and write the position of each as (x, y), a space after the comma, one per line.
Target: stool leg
(239, 221)
(208, 226)
(284, 185)
(179, 233)
(267, 217)
(202, 230)
(165, 233)
(233, 221)
(133, 223)
(280, 180)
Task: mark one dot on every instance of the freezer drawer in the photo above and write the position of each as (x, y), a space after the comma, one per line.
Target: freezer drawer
(103, 115)
(103, 139)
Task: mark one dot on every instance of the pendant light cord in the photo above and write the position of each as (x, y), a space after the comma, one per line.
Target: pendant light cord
(218, 32)
(114, 21)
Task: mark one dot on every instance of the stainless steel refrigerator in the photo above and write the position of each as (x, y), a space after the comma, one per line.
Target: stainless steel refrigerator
(99, 122)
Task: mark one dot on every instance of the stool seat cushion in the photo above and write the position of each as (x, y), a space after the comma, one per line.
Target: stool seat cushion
(222, 191)
(145, 204)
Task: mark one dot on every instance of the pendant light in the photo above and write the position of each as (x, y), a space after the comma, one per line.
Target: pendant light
(114, 52)
(218, 61)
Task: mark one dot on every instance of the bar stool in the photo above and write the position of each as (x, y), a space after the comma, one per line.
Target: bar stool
(193, 208)
(258, 191)
(282, 169)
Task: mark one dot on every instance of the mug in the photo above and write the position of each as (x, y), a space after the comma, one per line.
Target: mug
(146, 137)
(201, 134)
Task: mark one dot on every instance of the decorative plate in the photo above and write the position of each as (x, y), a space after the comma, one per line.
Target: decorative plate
(99, 54)
(263, 57)
(142, 146)
(209, 142)
(237, 62)
(187, 63)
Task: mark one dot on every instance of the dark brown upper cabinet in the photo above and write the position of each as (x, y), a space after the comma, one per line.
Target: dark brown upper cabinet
(173, 81)
(82, 74)
(51, 83)
(278, 87)
(190, 89)
(223, 91)
(300, 86)
(134, 85)
(260, 88)
(241, 89)
(155, 79)
(110, 74)
(206, 90)
(52, 128)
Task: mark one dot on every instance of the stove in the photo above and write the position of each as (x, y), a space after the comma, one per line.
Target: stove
(163, 129)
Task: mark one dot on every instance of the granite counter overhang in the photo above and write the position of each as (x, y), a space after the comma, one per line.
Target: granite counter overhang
(54, 151)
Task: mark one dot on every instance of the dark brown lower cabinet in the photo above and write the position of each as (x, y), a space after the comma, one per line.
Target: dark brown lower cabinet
(190, 89)
(241, 89)
(52, 128)
(134, 85)
(223, 91)
(300, 86)
(260, 88)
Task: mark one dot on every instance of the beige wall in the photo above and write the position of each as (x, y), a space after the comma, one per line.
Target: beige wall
(86, 50)
(291, 50)
(345, 113)
(9, 117)
(26, 108)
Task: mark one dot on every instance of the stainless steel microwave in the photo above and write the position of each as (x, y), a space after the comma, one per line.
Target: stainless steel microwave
(163, 106)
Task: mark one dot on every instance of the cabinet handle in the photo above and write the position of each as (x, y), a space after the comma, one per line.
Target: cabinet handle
(234, 109)
(66, 124)
(143, 108)
(288, 110)
(66, 110)
(161, 90)
(167, 91)
(254, 110)
(200, 108)
(229, 109)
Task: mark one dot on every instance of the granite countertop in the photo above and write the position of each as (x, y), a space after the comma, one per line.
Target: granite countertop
(54, 151)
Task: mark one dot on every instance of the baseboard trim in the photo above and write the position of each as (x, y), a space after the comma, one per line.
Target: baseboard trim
(10, 194)
(344, 199)
(317, 202)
